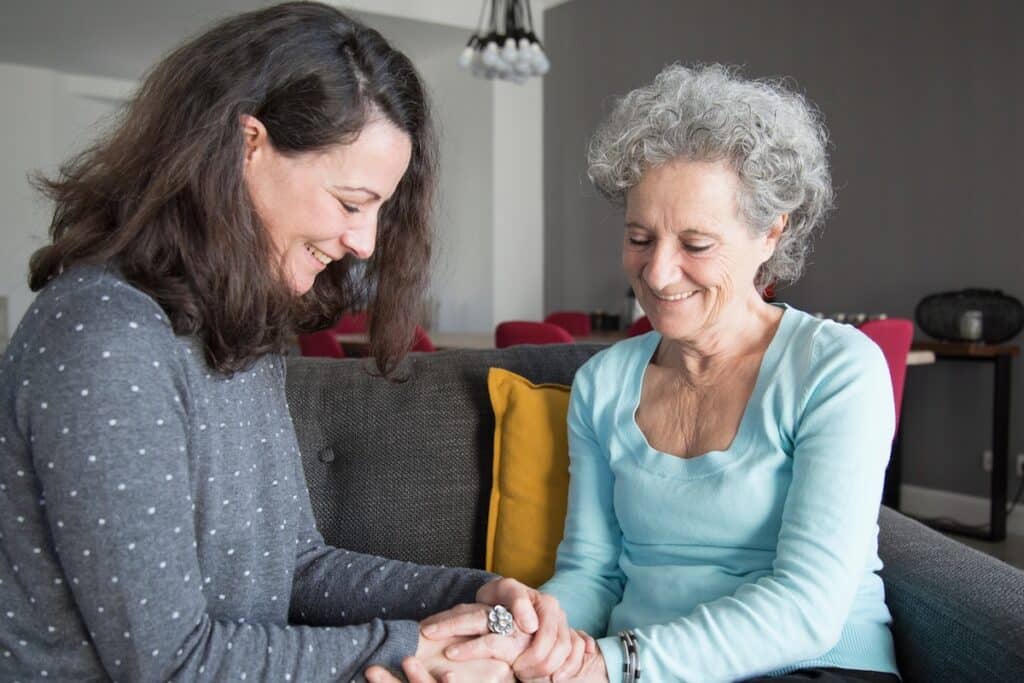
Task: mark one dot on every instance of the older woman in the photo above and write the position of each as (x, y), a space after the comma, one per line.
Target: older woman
(727, 467)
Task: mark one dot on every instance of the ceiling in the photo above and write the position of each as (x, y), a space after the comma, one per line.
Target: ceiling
(122, 38)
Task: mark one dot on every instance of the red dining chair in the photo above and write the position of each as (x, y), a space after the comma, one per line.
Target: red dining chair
(641, 325)
(322, 344)
(514, 332)
(894, 336)
(359, 322)
(576, 323)
(352, 323)
(421, 342)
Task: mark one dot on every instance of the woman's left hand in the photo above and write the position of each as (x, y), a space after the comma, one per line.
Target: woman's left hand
(585, 665)
(534, 612)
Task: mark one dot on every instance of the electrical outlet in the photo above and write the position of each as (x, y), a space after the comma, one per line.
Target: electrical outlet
(1020, 465)
(986, 460)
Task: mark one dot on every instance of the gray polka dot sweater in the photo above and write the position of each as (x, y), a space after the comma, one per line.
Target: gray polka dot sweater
(155, 519)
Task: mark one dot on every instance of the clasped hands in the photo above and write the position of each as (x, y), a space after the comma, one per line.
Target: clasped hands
(456, 646)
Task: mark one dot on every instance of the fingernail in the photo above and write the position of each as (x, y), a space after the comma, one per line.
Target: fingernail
(452, 652)
(430, 629)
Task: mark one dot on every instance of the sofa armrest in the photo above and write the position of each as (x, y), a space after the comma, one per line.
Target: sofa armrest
(958, 614)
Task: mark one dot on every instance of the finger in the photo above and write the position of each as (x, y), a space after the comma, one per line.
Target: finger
(378, 674)
(465, 620)
(416, 672)
(517, 597)
(571, 666)
(524, 612)
(481, 671)
(555, 658)
(458, 609)
(493, 646)
(591, 643)
(551, 619)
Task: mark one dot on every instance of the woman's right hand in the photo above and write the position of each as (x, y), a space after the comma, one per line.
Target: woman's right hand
(484, 670)
(413, 668)
(431, 664)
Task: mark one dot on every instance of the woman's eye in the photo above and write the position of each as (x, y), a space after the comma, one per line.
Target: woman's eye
(348, 207)
(639, 242)
(696, 248)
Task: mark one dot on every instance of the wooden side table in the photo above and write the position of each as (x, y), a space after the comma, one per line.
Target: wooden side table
(1001, 357)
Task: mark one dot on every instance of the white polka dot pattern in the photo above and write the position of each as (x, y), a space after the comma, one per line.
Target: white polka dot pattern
(162, 512)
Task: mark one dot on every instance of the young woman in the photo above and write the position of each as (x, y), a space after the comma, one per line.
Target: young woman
(154, 515)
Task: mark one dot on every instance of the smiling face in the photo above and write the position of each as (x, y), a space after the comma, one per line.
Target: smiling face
(689, 255)
(320, 206)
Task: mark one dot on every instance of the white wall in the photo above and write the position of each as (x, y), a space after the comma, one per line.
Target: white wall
(45, 118)
(518, 250)
(519, 197)
(490, 255)
(25, 144)
(462, 282)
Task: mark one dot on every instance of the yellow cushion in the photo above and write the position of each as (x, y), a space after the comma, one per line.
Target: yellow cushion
(531, 476)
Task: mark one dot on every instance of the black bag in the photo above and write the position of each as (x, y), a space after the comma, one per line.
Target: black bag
(956, 316)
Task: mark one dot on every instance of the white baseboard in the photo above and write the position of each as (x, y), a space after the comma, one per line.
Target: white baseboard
(919, 501)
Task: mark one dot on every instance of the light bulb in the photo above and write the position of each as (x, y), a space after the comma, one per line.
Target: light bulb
(466, 57)
(525, 52)
(490, 55)
(477, 67)
(509, 53)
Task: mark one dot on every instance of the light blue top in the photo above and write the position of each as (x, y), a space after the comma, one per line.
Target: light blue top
(761, 558)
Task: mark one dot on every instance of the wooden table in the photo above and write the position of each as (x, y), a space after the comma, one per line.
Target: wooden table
(1001, 358)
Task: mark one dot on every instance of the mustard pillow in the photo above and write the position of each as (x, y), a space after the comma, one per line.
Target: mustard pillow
(531, 476)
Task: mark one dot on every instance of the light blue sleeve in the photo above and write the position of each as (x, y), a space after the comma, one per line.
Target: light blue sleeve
(588, 581)
(829, 527)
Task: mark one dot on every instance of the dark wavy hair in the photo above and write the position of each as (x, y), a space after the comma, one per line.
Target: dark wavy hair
(161, 197)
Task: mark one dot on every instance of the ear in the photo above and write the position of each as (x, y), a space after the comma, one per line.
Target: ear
(771, 238)
(254, 135)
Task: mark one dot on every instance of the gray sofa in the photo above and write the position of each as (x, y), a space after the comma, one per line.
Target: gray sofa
(403, 470)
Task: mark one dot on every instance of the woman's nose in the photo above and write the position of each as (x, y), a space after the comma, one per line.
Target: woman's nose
(662, 270)
(361, 240)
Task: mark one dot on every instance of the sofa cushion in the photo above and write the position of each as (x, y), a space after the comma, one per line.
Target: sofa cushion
(531, 476)
(958, 614)
(403, 468)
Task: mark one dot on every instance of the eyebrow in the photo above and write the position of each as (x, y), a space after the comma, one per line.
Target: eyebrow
(687, 231)
(367, 190)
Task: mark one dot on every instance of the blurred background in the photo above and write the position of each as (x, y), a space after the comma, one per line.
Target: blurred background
(923, 99)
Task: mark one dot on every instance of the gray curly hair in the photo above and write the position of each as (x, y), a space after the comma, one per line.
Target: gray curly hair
(771, 136)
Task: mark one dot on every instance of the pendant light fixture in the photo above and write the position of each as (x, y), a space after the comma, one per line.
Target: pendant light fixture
(505, 46)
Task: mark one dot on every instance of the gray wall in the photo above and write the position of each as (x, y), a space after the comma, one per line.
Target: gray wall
(924, 103)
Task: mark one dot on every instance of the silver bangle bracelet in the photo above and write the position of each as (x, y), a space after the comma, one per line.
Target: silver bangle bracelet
(631, 657)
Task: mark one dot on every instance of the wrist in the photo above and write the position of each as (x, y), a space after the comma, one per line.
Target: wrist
(630, 656)
(602, 668)
(610, 649)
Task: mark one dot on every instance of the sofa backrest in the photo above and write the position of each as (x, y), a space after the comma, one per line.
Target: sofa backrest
(403, 469)
(958, 614)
